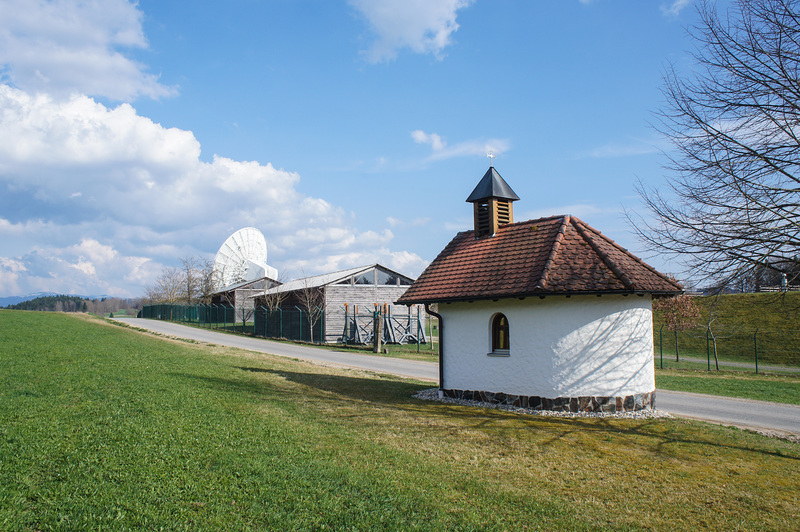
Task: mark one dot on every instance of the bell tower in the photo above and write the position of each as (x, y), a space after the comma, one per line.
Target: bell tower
(492, 200)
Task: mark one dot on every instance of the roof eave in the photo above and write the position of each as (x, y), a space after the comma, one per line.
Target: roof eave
(462, 299)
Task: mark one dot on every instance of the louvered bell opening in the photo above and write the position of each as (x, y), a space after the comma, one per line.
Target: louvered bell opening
(504, 212)
(483, 219)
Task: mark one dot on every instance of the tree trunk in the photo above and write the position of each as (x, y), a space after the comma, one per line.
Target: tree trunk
(378, 332)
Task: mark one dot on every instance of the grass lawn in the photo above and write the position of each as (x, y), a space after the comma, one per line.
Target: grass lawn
(103, 427)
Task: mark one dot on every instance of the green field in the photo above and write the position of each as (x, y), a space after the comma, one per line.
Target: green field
(106, 428)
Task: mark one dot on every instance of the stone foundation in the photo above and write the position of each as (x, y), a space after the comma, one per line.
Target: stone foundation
(628, 403)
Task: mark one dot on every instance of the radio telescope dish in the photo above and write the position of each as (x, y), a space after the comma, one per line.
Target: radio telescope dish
(242, 257)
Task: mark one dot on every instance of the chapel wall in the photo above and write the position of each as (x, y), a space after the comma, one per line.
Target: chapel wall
(582, 346)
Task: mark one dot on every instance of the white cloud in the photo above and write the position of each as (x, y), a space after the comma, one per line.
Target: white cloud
(11, 265)
(423, 26)
(9, 274)
(415, 222)
(72, 46)
(441, 150)
(420, 137)
(146, 199)
(97, 199)
(87, 268)
(401, 261)
(675, 7)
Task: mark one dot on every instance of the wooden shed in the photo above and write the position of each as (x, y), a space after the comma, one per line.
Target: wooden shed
(340, 293)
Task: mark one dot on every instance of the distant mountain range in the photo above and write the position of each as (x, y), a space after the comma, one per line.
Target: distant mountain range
(13, 300)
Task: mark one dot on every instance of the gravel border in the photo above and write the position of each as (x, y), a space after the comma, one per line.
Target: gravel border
(432, 394)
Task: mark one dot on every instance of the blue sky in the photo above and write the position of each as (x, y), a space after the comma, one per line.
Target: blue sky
(348, 131)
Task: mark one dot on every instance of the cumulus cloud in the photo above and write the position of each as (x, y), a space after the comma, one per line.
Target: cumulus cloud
(441, 150)
(72, 46)
(86, 268)
(96, 199)
(401, 261)
(423, 26)
(10, 270)
(415, 222)
(110, 196)
(675, 7)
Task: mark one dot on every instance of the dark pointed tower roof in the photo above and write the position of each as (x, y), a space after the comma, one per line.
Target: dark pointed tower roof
(492, 185)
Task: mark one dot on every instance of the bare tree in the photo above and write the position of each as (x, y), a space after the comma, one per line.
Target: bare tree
(207, 281)
(732, 203)
(192, 276)
(679, 313)
(170, 286)
(273, 299)
(711, 322)
(312, 301)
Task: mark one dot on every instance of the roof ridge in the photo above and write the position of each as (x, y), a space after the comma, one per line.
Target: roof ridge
(634, 257)
(615, 269)
(553, 253)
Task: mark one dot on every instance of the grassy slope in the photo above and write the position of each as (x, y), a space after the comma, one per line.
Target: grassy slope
(102, 427)
(738, 316)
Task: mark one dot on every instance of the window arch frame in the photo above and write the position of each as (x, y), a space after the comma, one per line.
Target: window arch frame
(500, 334)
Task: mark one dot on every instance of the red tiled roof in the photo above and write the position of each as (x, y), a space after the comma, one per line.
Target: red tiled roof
(549, 256)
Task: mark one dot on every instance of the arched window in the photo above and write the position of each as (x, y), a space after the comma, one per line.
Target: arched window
(500, 339)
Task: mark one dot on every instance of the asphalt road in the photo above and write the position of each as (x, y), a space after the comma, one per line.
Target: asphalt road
(744, 413)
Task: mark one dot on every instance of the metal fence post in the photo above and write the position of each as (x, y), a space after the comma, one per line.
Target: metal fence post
(661, 344)
(755, 346)
(708, 348)
(301, 322)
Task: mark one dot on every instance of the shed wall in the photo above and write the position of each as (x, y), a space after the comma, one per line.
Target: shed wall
(365, 296)
(559, 347)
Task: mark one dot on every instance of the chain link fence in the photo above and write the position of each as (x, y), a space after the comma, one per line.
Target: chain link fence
(286, 324)
(748, 345)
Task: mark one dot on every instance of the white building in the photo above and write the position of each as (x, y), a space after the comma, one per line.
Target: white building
(546, 313)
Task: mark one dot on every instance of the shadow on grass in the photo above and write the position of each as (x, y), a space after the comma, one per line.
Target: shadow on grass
(388, 391)
(659, 436)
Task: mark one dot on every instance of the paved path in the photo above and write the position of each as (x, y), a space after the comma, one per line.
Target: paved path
(425, 371)
(724, 410)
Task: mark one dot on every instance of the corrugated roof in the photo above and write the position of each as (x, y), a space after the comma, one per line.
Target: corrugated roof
(492, 185)
(558, 255)
(256, 284)
(325, 279)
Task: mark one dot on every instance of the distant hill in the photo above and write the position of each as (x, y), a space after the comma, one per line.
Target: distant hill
(70, 303)
(13, 300)
(55, 303)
